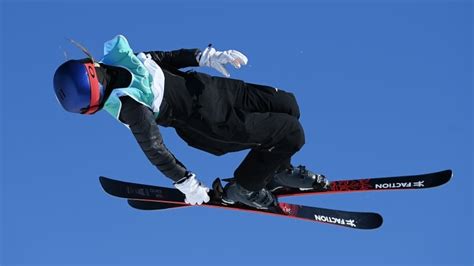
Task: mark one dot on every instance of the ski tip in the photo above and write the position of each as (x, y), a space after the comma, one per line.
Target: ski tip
(109, 185)
(103, 179)
(135, 205)
(447, 175)
(153, 206)
(438, 178)
(379, 221)
(450, 172)
(372, 221)
(104, 183)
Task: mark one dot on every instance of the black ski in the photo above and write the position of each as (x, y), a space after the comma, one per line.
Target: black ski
(422, 181)
(139, 195)
(408, 182)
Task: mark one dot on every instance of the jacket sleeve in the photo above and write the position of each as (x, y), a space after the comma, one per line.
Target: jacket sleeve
(177, 58)
(142, 123)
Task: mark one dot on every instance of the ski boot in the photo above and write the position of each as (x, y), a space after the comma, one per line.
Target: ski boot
(261, 199)
(298, 177)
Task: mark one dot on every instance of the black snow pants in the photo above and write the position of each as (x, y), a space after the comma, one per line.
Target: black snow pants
(221, 115)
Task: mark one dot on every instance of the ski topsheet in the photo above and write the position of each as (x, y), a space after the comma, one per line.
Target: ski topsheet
(406, 182)
(356, 220)
(147, 197)
(139, 194)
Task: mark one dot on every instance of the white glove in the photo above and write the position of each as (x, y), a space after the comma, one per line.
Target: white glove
(191, 187)
(215, 59)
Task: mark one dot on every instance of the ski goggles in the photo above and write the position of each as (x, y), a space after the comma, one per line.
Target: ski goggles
(96, 89)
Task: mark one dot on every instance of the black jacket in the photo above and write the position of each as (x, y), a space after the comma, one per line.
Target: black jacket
(142, 121)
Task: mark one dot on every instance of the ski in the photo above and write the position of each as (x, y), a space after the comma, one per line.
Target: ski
(139, 195)
(357, 220)
(407, 182)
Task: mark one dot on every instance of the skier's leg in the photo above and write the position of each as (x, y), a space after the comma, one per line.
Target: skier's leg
(262, 99)
(280, 136)
(263, 167)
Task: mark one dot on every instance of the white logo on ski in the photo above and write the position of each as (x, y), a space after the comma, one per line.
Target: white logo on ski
(400, 185)
(333, 220)
(419, 184)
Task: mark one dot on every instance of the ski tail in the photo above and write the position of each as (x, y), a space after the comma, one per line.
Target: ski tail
(152, 206)
(124, 189)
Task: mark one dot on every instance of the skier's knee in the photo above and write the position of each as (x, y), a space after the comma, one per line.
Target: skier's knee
(295, 138)
(299, 138)
(293, 107)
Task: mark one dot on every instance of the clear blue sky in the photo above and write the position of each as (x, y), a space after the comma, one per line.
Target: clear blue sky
(385, 88)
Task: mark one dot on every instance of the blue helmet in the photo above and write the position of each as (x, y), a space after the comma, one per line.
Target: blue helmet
(77, 87)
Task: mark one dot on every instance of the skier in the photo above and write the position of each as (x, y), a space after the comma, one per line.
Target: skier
(213, 114)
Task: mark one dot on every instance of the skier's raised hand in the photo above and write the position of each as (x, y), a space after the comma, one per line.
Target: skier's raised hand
(216, 59)
(191, 187)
